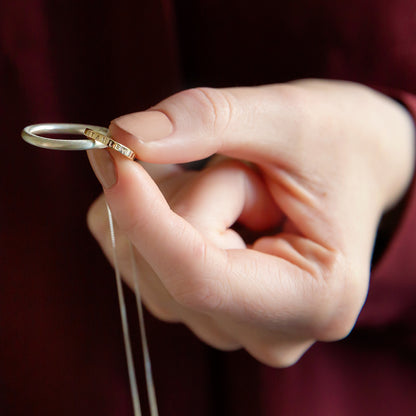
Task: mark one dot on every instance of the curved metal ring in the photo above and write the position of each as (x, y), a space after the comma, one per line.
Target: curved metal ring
(33, 135)
(111, 143)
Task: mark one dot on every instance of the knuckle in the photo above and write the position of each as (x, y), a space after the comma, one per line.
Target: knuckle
(343, 298)
(199, 295)
(197, 287)
(338, 328)
(280, 360)
(340, 323)
(162, 313)
(208, 331)
(280, 355)
(214, 107)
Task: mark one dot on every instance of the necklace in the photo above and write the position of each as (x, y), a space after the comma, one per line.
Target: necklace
(97, 138)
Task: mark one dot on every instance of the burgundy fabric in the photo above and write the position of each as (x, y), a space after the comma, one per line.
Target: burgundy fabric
(61, 348)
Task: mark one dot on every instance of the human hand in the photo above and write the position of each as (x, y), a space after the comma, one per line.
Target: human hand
(327, 159)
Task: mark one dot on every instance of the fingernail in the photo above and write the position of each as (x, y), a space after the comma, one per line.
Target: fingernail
(146, 126)
(103, 165)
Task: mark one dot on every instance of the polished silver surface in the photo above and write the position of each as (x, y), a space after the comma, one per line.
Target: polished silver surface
(34, 135)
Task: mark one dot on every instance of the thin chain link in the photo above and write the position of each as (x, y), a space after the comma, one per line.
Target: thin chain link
(146, 357)
(124, 322)
(126, 335)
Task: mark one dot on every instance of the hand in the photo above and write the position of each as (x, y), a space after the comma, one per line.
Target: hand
(327, 158)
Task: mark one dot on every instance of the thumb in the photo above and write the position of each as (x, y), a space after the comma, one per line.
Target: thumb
(196, 123)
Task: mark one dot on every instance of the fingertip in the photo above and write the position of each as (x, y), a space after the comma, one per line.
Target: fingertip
(136, 129)
(145, 126)
(103, 166)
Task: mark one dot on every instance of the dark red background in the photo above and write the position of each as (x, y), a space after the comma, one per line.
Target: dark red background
(61, 349)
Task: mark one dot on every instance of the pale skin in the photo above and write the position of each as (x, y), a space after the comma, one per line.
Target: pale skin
(327, 159)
